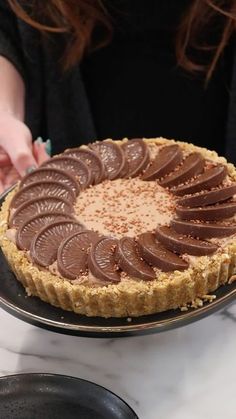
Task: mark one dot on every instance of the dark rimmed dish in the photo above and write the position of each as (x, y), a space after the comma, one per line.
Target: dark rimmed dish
(14, 299)
(27, 396)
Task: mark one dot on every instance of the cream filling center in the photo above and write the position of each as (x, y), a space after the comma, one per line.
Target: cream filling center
(124, 207)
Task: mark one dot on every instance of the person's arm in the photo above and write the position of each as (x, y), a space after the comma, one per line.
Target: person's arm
(17, 153)
(15, 137)
(12, 93)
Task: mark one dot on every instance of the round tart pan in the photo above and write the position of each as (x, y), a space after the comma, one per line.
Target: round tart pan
(14, 299)
(27, 396)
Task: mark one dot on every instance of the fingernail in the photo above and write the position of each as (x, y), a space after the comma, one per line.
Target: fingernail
(30, 169)
(39, 140)
(48, 147)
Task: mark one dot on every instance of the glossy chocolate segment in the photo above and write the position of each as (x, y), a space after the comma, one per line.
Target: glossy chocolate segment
(112, 157)
(183, 244)
(72, 256)
(37, 206)
(45, 245)
(56, 175)
(130, 260)
(92, 161)
(73, 166)
(192, 166)
(207, 180)
(31, 227)
(208, 198)
(157, 255)
(102, 261)
(209, 213)
(125, 170)
(203, 230)
(42, 188)
(168, 158)
(137, 156)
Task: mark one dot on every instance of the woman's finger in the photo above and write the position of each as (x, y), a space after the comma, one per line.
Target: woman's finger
(1, 187)
(1, 182)
(8, 172)
(4, 158)
(17, 142)
(23, 159)
(40, 153)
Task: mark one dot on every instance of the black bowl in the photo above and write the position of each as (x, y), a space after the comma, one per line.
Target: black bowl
(51, 396)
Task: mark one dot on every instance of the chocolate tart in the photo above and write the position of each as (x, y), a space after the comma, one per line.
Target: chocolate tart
(123, 228)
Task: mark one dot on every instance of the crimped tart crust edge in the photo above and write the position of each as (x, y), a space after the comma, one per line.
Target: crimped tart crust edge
(127, 298)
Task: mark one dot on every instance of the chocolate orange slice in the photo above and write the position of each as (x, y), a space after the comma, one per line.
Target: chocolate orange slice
(45, 244)
(38, 206)
(203, 230)
(31, 227)
(112, 157)
(125, 170)
(168, 158)
(43, 188)
(137, 156)
(192, 166)
(72, 257)
(157, 255)
(209, 213)
(207, 198)
(92, 161)
(183, 244)
(207, 180)
(55, 175)
(102, 262)
(130, 260)
(73, 166)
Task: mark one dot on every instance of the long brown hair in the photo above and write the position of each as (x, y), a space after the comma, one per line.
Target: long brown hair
(80, 18)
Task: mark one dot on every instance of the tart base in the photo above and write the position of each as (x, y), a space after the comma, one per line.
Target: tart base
(130, 297)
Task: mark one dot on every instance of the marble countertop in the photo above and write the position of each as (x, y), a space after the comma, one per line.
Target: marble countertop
(187, 373)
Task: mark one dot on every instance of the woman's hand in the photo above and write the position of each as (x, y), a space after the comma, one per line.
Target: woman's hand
(18, 154)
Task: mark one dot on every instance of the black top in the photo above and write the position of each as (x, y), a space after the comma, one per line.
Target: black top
(58, 107)
(135, 88)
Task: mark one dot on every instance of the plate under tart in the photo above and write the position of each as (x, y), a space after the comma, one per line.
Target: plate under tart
(14, 300)
(27, 396)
